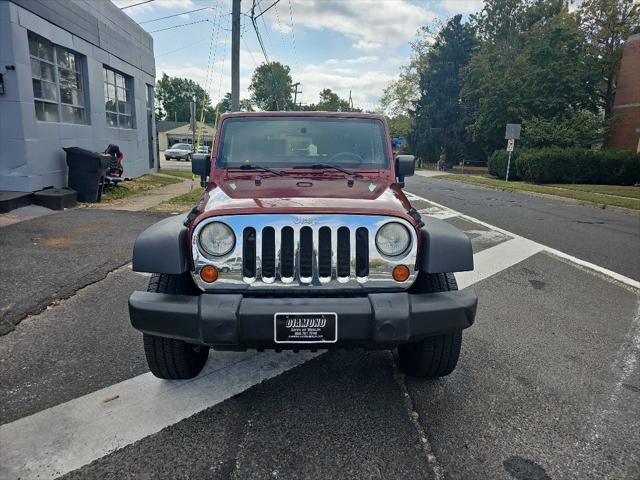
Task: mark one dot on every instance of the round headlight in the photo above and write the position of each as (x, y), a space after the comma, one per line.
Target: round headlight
(393, 239)
(217, 239)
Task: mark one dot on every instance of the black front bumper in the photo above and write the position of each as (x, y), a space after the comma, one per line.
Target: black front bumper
(234, 322)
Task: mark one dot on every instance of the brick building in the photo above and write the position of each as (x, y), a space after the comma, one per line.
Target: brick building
(625, 132)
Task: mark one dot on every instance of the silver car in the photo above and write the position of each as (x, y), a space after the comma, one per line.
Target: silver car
(179, 151)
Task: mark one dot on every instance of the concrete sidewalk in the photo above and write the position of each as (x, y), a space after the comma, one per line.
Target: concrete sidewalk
(137, 203)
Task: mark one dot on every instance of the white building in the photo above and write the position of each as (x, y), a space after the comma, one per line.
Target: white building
(74, 73)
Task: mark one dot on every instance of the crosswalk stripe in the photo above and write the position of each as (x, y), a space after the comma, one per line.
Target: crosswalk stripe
(63, 438)
(578, 261)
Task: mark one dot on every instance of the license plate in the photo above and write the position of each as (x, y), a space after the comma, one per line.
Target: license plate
(305, 327)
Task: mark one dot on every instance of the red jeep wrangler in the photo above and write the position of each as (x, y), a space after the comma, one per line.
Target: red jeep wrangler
(302, 239)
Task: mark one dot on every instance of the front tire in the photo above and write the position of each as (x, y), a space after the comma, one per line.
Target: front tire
(435, 356)
(169, 358)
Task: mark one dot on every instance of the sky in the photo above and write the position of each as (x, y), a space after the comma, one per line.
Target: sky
(348, 46)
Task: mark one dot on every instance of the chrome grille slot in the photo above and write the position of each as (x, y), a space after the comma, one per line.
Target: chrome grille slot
(249, 253)
(362, 252)
(268, 254)
(324, 253)
(287, 253)
(314, 252)
(343, 248)
(306, 254)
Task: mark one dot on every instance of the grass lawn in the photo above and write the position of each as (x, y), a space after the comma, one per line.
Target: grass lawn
(138, 186)
(174, 172)
(182, 203)
(602, 195)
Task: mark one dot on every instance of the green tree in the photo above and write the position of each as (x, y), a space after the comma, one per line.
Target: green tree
(606, 25)
(398, 96)
(401, 126)
(331, 102)
(271, 87)
(530, 63)
(575, 128)
(224, 105)
(174, 95)
(439, 117)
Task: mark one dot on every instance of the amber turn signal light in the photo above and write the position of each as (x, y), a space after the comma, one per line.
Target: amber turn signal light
(400, 273)
(209, 273)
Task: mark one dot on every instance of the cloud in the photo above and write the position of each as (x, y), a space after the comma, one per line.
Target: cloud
(353, 61)
(462, 6)
(366, 87)
(371, 24)
(282, 27)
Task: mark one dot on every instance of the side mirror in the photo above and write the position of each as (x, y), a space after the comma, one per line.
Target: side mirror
(201, 166)
(405, 167)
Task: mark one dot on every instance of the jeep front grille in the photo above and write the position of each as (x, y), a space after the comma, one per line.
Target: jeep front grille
(304, 251)
(314, 258)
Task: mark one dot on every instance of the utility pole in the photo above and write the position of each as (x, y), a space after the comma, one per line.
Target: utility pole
(235, 56)
(192, 122)
(295, 92)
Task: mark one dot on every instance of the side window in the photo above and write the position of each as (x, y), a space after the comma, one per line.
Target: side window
(58, 83)
(118, 99)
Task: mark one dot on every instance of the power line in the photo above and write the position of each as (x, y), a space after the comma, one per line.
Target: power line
(246, 44)
(255, 27)
(178, 26)
(183, 47)
(293, 36)
(268, 8)
(175, 15)
(136, 4)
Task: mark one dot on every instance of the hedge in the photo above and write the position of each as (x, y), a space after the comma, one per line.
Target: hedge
(497, 164)
(578, 165)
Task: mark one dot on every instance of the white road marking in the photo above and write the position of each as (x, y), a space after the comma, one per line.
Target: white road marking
(66, 437)
(583, 263)
(495, 259)
(63, 438)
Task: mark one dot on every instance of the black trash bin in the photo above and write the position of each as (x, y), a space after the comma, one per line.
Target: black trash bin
(86, 172)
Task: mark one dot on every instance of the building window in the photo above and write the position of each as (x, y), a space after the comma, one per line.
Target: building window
(57, 82)
(118, 99)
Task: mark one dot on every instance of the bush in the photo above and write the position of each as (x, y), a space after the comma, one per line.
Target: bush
(576, 128)
(578, 165)
(497, 164)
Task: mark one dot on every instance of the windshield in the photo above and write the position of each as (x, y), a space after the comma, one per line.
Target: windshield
(303, 141)
(182, 146)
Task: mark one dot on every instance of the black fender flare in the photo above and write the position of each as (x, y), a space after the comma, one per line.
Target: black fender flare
(444, 248)
(163, 247)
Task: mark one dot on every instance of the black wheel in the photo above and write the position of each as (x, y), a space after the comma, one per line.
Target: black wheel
(169, 358)
(435, 356)
(188, 158)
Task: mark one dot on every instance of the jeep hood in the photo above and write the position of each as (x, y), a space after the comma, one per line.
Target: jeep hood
(304, 195)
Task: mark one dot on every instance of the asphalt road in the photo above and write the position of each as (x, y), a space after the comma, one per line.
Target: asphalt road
(49, 258)
(548, 387)
(607, 237)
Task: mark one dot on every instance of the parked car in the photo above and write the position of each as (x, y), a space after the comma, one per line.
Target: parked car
(179, 151)
(302, 239)
(203, 149)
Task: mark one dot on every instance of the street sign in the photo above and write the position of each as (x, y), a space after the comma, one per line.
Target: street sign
(513, 131)
(511, 143)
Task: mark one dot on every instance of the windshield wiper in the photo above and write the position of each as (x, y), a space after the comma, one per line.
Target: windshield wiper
(320, 166)
(250, 166)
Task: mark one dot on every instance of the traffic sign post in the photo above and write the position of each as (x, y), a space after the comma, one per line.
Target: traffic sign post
(511, 134)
